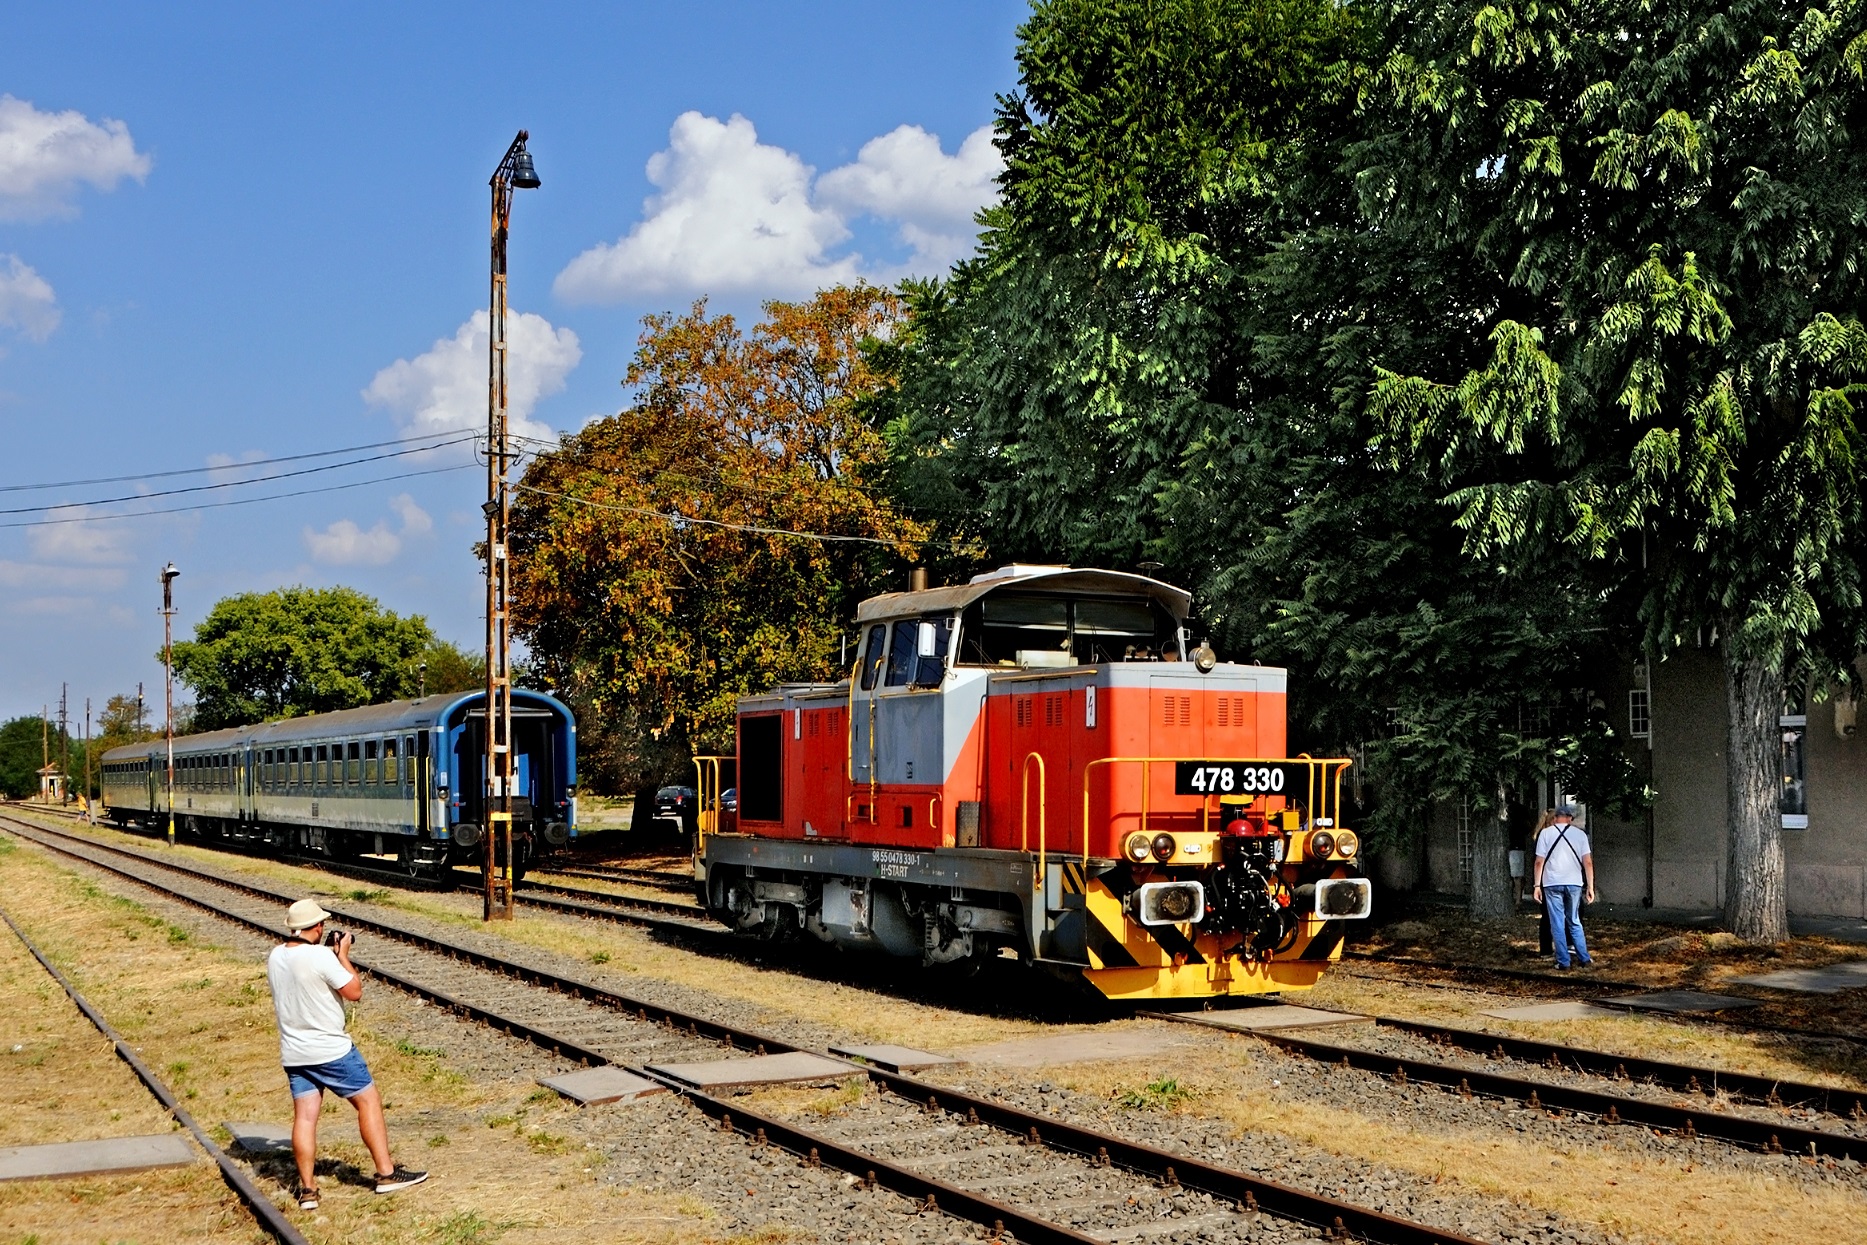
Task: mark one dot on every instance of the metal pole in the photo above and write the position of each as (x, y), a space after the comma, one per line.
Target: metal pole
(168, 688)
(496, 860)
(87, 751)
(64, 743)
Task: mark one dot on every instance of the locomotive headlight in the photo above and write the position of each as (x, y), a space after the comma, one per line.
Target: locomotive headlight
(1163, 847)
(1138, 847)
(1346, 843)
(1321, 844)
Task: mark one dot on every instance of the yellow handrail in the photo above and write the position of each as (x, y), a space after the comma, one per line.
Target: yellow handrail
(1024, 794)
(707, 820)
(1311, 765)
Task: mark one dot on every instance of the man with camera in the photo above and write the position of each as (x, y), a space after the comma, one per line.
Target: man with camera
(311, 977)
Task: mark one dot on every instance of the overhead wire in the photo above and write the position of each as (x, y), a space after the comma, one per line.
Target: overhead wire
(226, 484)
(453, 436)
(237, 501)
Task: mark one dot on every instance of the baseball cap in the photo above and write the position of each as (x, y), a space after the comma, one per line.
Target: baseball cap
(1565, 810)
(304, 914)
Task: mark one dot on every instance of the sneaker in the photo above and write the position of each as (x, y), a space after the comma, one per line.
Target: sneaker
(307, 1199)
(400, 1178)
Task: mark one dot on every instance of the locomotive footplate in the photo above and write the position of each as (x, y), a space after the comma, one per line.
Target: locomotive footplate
(974, 869)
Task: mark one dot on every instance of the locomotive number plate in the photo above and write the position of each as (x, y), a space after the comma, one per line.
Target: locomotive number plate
(1237, 778)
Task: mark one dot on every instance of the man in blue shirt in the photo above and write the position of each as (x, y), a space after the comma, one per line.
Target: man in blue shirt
(1565, 879)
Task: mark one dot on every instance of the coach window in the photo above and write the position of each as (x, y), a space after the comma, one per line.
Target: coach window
(371, 768)
(389, 774)
(408, 760)
(353, 772)
(318, 765)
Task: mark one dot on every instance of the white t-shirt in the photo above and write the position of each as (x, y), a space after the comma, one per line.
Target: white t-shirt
(305, 978)
(1562, 867)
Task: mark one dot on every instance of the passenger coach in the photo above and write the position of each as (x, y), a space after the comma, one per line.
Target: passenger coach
(401, 779)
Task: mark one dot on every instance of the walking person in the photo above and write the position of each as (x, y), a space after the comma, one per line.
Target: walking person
(310, 983)
(1565, 879)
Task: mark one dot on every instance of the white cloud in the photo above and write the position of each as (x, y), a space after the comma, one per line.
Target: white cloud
(231, 468)
(444, 390)
(96, 541)
(27, 302)
(344, 543)
(904, 176)
(45, 156)
(736, 216)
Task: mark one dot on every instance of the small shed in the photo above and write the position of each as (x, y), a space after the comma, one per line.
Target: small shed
(51, 785)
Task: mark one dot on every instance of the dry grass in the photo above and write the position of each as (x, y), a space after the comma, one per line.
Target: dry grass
(200, 1014)
(1615, 1190)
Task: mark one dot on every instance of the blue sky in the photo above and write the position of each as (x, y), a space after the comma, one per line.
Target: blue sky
(230, 232)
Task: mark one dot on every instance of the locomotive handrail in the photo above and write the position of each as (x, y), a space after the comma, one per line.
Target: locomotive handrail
(1329, 806)
(1024, 794)
(707, 817)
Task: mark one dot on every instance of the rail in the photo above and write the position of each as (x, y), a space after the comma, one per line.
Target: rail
(1317, 772)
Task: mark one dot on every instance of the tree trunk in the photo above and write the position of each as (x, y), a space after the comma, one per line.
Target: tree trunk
(1490, 898)
(1755, 905)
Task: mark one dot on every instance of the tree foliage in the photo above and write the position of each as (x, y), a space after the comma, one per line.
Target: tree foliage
(1164, 351)
(22, 752)
(265, 655)
(656, 576)
(1667, 202)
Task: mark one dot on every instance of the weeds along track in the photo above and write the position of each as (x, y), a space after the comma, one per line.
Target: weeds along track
(268, 1216)
(659, 879)
(1048, 1181)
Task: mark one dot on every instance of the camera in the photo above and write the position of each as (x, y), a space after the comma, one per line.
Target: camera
(334, 936)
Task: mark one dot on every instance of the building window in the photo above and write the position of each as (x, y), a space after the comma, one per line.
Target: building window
(1465, 843)
(1794, 802)
(1640, 713)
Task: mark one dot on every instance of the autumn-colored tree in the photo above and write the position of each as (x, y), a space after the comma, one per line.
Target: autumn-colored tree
(712, 538)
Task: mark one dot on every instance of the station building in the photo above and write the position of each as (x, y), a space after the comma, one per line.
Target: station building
(1675, 720)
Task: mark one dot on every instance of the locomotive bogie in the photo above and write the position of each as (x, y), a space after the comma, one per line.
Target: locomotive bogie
(1037, 745)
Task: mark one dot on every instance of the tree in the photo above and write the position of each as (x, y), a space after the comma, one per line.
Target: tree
(452, 669)
(1164, 350)
(712, 538)
(265, 655)
(124, 720)
(22, 753)
(1669, 200)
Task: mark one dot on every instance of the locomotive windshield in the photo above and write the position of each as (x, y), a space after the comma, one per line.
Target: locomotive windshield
(1028, 629)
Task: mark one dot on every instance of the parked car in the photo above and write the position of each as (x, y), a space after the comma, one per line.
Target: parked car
(677, 809)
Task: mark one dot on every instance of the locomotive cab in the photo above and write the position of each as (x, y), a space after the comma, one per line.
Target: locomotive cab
(1033, 763)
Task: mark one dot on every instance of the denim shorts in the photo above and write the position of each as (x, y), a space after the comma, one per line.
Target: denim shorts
(346, 1076)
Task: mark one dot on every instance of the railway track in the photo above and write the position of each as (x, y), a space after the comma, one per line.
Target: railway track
(1070, 1184)
(658, 878)
(268, 1216)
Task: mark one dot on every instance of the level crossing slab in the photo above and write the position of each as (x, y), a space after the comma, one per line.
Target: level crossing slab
(1089, 1047)
(95, 1158)
(1551, 1011)
(1267, 1017)
(1679, 1001)
(1831, 979)
(891, 1058)
(590, 1087)
(793, 1065)
(259, 1137)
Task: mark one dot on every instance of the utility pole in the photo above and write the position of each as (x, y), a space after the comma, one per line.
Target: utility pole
(515, 171)
(87, 747)
(64, 744)
(168, 687)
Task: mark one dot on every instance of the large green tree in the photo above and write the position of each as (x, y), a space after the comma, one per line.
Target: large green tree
(1671, 199)
(264, 655)
(1163, 352)
(22, 752)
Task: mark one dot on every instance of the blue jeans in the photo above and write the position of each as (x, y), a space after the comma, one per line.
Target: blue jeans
(1564, 905)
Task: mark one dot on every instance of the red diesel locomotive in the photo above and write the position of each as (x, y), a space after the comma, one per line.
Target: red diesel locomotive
(1033, 761)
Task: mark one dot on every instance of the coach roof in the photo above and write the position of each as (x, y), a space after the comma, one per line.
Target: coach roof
(1050, 580)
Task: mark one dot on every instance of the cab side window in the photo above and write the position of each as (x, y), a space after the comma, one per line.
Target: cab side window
(873, 656)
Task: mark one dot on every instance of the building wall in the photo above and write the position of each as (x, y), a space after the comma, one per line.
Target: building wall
(1689, 726)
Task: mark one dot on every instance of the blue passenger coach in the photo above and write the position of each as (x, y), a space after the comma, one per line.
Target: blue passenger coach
(401, 779)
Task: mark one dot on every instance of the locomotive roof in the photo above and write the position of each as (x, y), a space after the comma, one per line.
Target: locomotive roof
(1061, 580)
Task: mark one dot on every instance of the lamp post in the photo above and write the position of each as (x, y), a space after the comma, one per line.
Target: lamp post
(515, 172)
(168, 688)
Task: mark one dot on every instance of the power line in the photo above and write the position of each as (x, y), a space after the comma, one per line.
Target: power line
(751, 528)
(253, 462)
(209, 488)
(238, 501)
